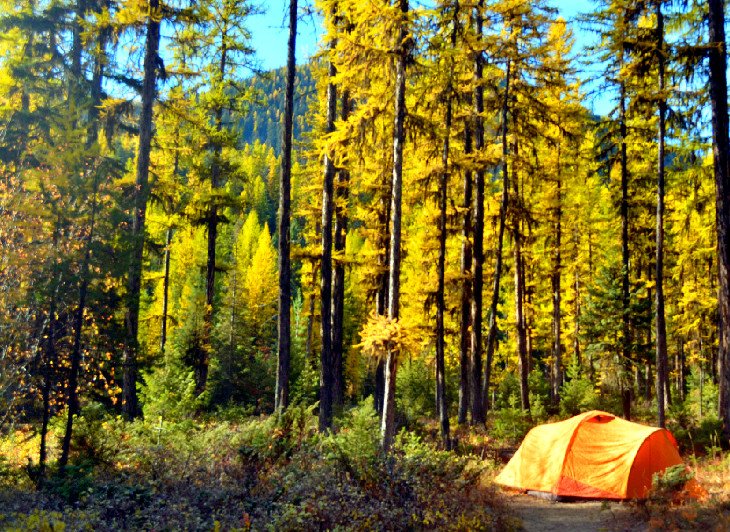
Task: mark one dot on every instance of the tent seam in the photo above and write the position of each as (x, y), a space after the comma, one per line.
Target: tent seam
(588, 415)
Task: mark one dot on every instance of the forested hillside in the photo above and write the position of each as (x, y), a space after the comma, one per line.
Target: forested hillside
(263, 122)
(453, 248)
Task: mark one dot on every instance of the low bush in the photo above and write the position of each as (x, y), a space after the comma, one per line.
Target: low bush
(273, 472)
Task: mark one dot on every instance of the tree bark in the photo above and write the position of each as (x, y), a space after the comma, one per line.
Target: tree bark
(165, 291)
(466, 285)
(503, 206)
(72, 402)
(141, 193)
(721, 144)
(391, 366)
(557, 369)
(206, 349)
(663, 395)
(338, 286)
(441, 402)
(478, 414)
(326, 358)
(577, 305)
(284, 318)
(48, 373)
(382, 300)
(522, 353)
(625, 301)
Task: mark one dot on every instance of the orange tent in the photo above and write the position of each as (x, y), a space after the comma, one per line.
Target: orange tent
(593, 455)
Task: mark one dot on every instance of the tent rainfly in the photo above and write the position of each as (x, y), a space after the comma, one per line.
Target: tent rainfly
(593, 455)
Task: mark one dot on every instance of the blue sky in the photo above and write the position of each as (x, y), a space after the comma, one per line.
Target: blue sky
(270, 32)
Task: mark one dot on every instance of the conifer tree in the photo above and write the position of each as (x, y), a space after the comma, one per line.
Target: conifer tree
(721, 145)
(326, 378)
(152, 64)
(284, 320)
(387, 428)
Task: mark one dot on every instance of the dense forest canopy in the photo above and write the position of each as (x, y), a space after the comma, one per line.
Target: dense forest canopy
(467, 238)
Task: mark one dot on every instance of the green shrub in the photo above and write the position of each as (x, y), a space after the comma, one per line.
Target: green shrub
(577, 393)
(511, 424)
(415, 390)
(169, 392)
(75, 482)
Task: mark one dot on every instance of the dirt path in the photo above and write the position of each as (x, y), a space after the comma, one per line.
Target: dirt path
(540, 515)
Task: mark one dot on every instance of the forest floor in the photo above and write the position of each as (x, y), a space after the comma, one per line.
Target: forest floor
(541, 515)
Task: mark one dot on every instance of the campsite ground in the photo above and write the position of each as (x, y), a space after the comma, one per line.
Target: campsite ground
(668, 508)
(541, 515)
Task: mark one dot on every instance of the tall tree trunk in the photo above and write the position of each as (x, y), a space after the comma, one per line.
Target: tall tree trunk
(382, 298)
(441, 402)
(72, 401)
(388, 422)
(338, 281)
(308, 348)
(625, 301)
(141, 193)
(663, 395)
(478, 415)
(557, 369)
(721, 144)
(48, 372)
(166, 291)
(97, 81)
(325, 367)
(204, 353)
(466, 285)
(522, 353)
(577, 306)
(284, 319)
(503, 206)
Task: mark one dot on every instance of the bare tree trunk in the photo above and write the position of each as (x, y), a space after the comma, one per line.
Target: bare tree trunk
(382, 302)
(522, 353)
(338, 286)
(466, 284)
(72, 402)
(663, 396)
(478, 415)
(325, 367)
(721, 144)
(577, 305)
(141, 193)
(625, 301)
(206, 349)
(441, 402)
(284, 319)
(49, 363)
(391, 366)
(557, 369)
(308, 348)
(524, 363)
(165, 291)
(503, 206)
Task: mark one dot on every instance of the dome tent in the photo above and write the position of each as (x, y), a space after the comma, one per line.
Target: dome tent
(592, 455)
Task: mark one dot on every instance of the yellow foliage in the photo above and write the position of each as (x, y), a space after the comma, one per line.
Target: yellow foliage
(382, 334)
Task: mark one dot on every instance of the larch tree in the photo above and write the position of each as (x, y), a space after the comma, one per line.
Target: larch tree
(387, 427)
(478, 415)
(281, 401)
(326, 371)
(720, 147)
(141, 192)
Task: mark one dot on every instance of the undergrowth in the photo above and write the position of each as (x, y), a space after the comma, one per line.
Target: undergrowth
(272, 472)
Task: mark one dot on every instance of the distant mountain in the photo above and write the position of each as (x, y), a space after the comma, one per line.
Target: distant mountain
(265, 121)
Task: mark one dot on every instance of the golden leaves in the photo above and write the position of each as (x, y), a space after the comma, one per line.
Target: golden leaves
(382, 334)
